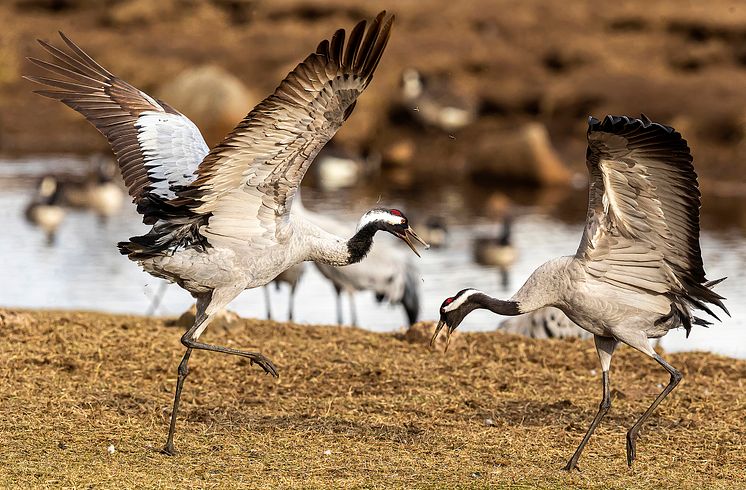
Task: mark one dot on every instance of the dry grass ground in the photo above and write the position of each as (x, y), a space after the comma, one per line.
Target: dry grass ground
(350, 409)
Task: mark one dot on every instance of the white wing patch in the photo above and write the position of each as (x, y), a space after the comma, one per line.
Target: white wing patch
(172, 147)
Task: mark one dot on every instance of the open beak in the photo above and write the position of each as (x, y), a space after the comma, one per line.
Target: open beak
(408, 235)
(441, 323)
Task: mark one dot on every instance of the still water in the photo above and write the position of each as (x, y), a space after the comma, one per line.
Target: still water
(84, 270)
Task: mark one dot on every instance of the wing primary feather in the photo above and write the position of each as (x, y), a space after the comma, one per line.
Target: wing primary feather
(323, 48)
(62, 71)
(336, 46)
(369, 40)
(84, 56)
(353, 44)
(68, 60)
(377, 52)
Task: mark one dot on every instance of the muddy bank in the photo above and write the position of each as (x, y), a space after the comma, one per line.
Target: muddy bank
(520, 62)
(351, 408)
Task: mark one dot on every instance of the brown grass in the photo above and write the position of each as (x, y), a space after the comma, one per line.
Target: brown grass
(350, 409)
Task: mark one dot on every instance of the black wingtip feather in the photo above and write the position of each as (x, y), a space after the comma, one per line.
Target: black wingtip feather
(377, 51)
(336, 46)
(353, 44)
(612, 123)
(323, 48)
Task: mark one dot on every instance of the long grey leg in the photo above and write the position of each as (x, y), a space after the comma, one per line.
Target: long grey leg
(353, 309)
(291, 300)
(267, 302)
(256, 358)
(676, 377)
(339, 305)
(605, 348)
(183, 372)
(190, 342)
(156, 301)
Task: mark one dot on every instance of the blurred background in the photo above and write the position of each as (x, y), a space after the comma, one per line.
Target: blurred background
(474, 126)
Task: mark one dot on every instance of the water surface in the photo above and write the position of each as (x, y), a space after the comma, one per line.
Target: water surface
(84, 269)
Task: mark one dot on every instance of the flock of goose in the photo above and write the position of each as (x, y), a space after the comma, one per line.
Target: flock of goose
(229, 218)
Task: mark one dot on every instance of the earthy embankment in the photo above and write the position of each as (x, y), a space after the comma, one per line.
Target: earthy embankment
(351, 408)
(521, 62)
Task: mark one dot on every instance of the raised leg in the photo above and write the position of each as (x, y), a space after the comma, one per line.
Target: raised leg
(189, 339)
(206, 307)
(605, 348)
(267, 302)
(676, 377)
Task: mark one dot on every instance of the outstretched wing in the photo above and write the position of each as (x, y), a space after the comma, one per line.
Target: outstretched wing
(246, 184)
(642, 229)
(158, 149)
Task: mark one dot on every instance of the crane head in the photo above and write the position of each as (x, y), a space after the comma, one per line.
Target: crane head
(394, 222)
(453, 311)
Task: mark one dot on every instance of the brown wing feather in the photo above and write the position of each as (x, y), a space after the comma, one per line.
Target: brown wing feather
(114, 107)
(256, 170)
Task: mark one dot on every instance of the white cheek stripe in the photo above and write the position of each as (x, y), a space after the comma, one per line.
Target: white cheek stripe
(379, 215)
(456, 304)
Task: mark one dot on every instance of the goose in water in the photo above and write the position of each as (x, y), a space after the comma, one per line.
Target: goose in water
(498, 251)
(221, 219)
(638, 272)
(45, 210)
(435, 103)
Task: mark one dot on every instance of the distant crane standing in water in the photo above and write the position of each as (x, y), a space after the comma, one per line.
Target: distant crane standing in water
(291, 277)
(385, 272)
(221, 218)
(638, 271)
(544, 323)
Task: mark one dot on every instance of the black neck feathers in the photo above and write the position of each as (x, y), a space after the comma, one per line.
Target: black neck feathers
(359, 245)
(507, 308)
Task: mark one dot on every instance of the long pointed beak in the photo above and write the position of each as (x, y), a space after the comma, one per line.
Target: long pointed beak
(408, 235)
(440, 326)
(437, 331)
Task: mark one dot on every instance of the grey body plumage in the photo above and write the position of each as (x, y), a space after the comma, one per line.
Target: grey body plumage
(638, 271)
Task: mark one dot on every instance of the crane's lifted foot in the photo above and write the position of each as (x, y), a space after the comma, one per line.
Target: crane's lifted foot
(263, 362)
(253, 357)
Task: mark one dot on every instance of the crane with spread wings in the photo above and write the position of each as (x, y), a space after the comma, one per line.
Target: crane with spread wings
(220, 217)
